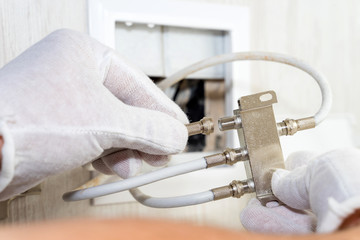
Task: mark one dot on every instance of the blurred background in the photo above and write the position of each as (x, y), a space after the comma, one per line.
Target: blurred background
(324, 33)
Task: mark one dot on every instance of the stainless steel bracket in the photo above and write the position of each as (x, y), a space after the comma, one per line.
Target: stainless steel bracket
(258, 134)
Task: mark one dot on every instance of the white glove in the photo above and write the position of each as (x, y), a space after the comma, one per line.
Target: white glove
(67, 99)
(279, 219)
(328, 185)
(276, 219)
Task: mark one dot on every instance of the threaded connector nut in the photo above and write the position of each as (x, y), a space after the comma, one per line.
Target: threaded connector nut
(204, 126)
(229, 156)
(236, 155)
(235, 189)
(239, 188)
(291, 126)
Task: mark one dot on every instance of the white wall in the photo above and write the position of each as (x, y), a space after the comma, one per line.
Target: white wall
(325, 33)
(24, 22)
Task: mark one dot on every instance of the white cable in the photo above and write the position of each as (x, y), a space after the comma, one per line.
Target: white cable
(161, 174)
(171, 202)
(263, 56)
(134, 182)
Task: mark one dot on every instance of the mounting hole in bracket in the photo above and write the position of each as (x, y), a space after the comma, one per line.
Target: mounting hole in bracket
(265, 97)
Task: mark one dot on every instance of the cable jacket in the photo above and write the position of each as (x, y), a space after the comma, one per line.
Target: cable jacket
(137, 181)
(260, 56)
(172, 202)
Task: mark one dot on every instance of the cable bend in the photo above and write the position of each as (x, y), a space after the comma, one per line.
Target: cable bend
(260, 56)
(172, 202)
(134, 182)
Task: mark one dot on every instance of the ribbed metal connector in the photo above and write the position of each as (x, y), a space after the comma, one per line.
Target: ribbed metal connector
(204, 126)
(241, 187)
(229, 157)
(236, 155)
(291, 126)
(235, 189)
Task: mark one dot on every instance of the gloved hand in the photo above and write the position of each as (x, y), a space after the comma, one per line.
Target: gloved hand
(67, 99)
(328, 186)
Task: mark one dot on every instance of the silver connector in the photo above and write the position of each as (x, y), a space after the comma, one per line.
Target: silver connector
(235, 189)
(204, 126)
(235, 155)
(241, 187)
(229, 123)
(229, 157)
(291, 126)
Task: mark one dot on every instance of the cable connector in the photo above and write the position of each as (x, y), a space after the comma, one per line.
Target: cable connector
(229, 157)
(229, 123)
(235, 155)
(204, 126)
(291, 126)
(235, 189)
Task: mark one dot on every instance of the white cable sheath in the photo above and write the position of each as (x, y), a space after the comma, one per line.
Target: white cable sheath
(192, 199)
(262, 56)
(172, 202)
(134, 182)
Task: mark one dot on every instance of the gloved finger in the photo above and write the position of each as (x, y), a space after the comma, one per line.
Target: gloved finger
(134, 88)
(141, 129)
(292, 187)
(154, 160)
(130, 84)
(125, 163)
(123, 80)
(100, 166)
(278, 219)
(298, 159)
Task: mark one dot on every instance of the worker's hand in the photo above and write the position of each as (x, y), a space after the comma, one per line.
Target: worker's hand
(67, 99)
(275, 218)
(328, 186)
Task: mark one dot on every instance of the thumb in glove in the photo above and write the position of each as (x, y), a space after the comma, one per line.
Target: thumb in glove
(275, 218)
(328, 185)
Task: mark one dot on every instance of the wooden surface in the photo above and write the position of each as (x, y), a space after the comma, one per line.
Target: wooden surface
(325, 33)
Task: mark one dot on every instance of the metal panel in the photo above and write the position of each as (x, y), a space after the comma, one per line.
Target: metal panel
(260, 135)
